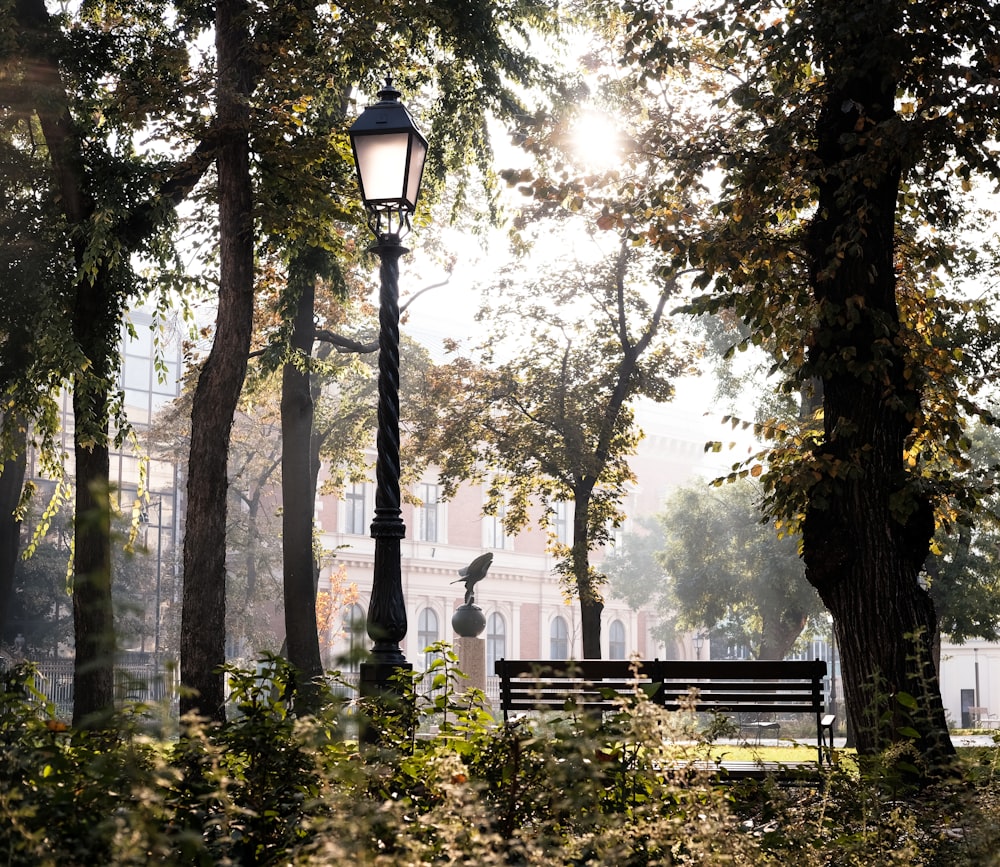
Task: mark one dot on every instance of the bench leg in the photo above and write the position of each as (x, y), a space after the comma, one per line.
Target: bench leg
(826, 742)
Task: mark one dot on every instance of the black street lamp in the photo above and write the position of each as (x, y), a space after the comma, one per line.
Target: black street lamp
(389, 152)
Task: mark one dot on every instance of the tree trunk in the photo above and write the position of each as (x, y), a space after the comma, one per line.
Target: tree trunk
(867, 530)
(96, 317)
(93, 620)
(298, 487)
(11, 484)
(203, 619)
(779, 632)
(591, 602)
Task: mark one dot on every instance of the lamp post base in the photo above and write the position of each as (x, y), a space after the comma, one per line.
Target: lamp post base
(387, 701)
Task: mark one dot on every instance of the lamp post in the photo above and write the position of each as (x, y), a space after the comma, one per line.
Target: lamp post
(699, 642)
(144, 517)
(389, 153)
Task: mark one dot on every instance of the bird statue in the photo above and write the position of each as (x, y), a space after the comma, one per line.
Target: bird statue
(473, 574)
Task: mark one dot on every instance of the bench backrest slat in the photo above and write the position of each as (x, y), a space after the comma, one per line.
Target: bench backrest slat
(731, 685)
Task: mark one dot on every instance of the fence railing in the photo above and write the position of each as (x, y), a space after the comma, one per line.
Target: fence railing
(134, 682)
(145, 682)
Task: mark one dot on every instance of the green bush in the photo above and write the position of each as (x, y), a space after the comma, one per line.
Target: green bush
(446, 784)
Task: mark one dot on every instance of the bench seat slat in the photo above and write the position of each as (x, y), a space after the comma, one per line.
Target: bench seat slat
(802, 701)
(723, 707)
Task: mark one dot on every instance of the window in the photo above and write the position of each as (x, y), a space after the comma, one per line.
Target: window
(496, 640)
(428, 514)
(562, 522)
(558, 639)
(616, 640)
(355, 513)
(427, 634)
(616, 535)
(494, 533)
(354, 628)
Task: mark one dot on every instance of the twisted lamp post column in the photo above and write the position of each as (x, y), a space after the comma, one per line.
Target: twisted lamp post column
(387, 612)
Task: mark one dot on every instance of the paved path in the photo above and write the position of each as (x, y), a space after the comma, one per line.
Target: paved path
(840, 743)
(973, 740)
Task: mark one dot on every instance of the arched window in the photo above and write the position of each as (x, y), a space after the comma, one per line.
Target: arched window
(616, 640)
(427, 633)
(558, 639)
(496, 640)
(354, 628)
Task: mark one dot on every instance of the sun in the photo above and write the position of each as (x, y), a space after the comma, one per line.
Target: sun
(596, 140)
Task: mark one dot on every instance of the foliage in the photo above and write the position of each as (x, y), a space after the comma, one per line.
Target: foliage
(548, 416)
(730, 568)
(40, 585)
(331, 605)
(636, 575)
(718, 564)
(964, 569)
(841, 143)
(268, 787)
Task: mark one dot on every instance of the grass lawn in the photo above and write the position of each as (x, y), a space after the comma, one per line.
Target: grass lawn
(973, 759)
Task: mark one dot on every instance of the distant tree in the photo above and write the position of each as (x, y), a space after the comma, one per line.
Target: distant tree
(711, 561)
(637, 576)
(728, 565)
(38, 607)
(550, 416)
(253, 524)
(964, 565)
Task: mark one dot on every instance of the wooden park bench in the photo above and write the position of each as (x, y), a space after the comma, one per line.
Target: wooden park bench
(767, 689)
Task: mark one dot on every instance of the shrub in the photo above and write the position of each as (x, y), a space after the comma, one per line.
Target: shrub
(447, 785)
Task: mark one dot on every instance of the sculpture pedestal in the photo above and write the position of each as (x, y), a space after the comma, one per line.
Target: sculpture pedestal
(468, 621)
(472, 660)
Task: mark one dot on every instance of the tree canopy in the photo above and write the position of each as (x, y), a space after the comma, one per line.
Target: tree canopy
(549, 417)
(841, 142)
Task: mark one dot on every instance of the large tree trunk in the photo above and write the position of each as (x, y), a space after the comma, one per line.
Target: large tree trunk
(203, 619)
(11, 484)
(298, 492)
(867, 530)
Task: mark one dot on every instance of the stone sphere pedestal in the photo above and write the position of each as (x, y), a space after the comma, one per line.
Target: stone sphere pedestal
(468, 621)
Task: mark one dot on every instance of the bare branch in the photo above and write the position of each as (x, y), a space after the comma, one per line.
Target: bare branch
(345, 344)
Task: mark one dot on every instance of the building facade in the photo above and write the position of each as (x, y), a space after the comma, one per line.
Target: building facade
(528, 613)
